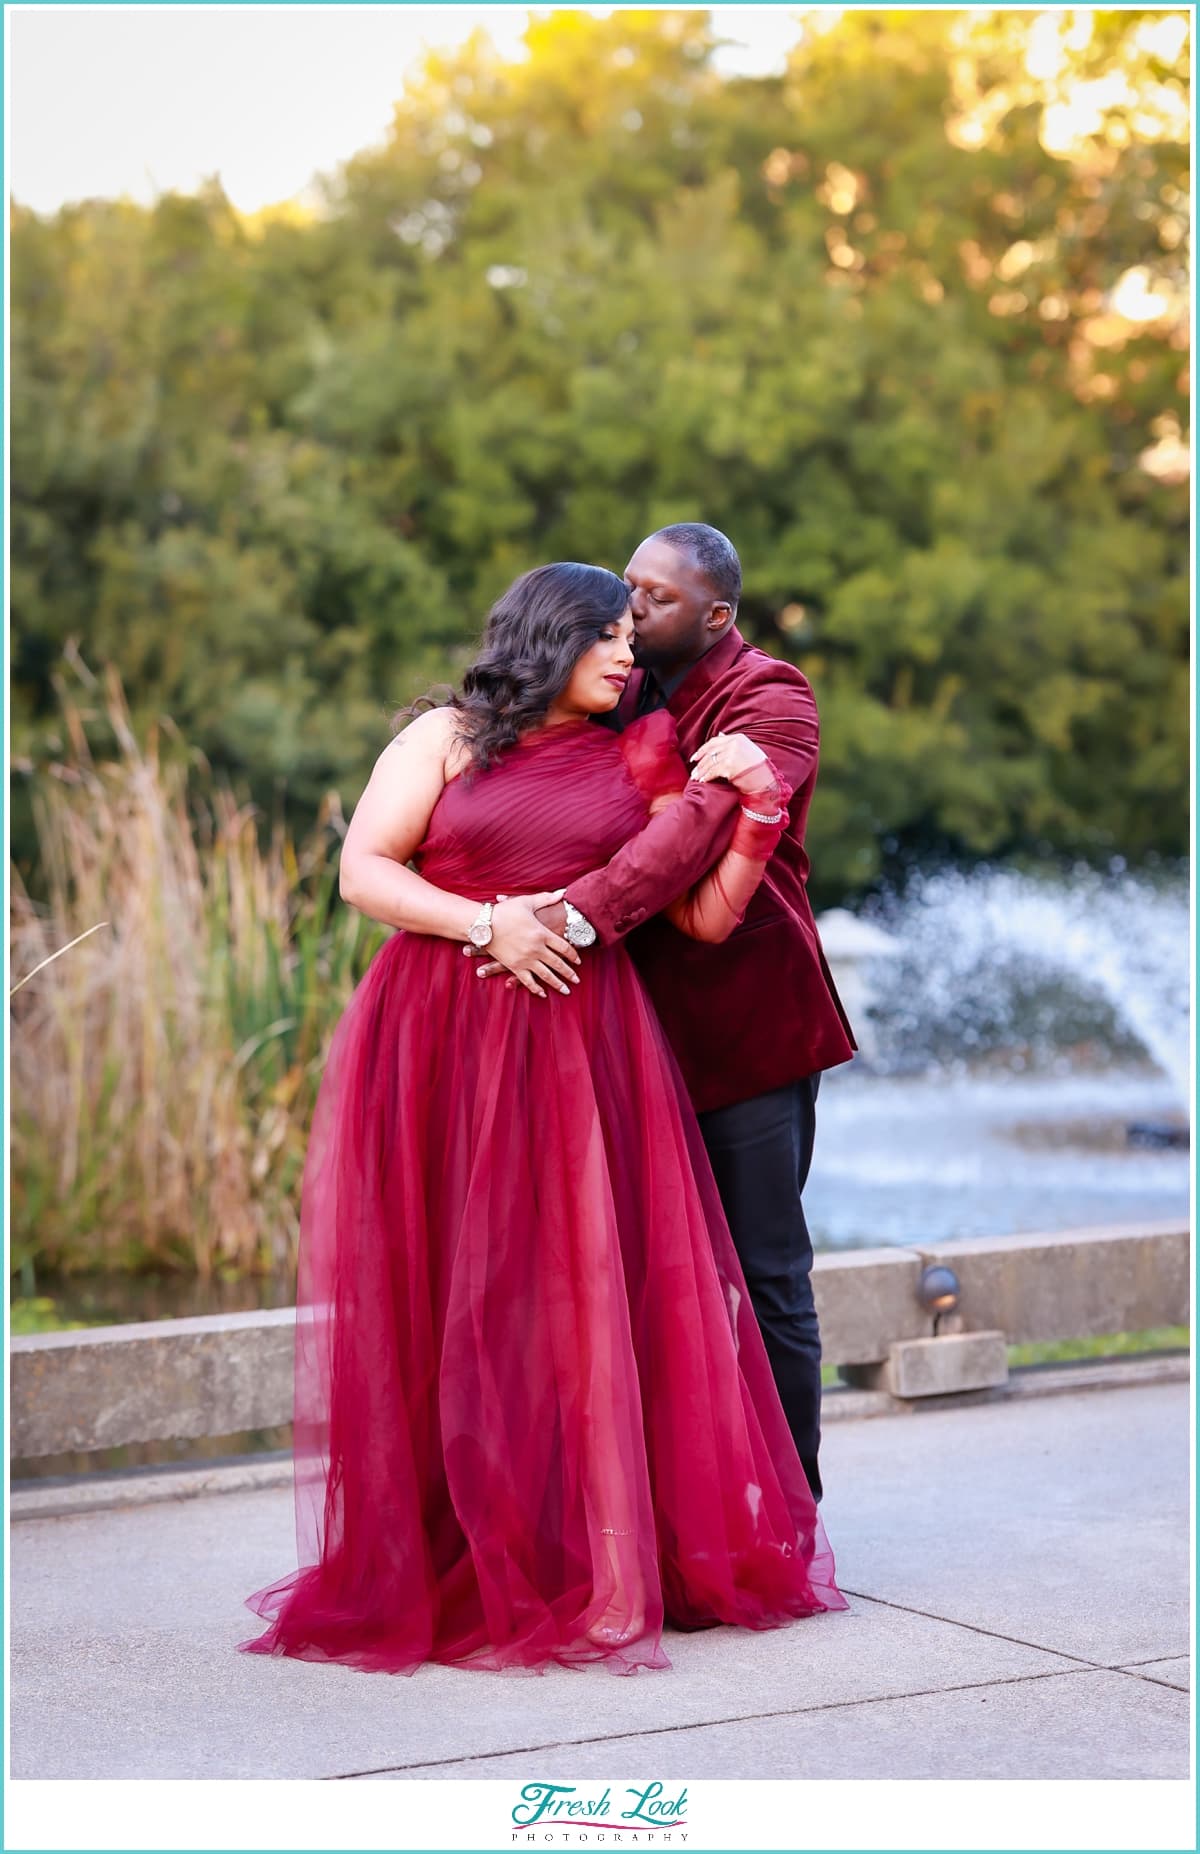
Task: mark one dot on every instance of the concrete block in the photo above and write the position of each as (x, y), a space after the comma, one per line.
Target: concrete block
(865, 1299)
(1072, 1283)
(1062, 1521)
(1174, 1672)
(940, 1367)
(226, 1373)
(1089, 1726)
(156, 1380)
(963, 1535)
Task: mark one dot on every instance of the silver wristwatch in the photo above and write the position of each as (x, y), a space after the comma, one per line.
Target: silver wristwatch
(579, 930)
(480, 930)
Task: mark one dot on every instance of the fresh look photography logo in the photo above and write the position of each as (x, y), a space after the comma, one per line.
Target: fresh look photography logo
(562, 1812)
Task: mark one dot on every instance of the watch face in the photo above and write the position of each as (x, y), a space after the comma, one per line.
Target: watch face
(480, 935)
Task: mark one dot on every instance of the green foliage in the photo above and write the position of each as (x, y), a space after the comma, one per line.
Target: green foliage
(39, 1314)
(860, 316)
(1110, 1345)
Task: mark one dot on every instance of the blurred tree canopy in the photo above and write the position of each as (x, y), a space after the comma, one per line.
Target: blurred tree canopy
(908, 322)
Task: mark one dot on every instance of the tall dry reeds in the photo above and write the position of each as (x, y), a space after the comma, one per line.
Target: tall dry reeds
(164, 1069)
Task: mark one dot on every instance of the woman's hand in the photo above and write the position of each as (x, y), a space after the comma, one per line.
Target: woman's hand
(534, 954)
(736, 758)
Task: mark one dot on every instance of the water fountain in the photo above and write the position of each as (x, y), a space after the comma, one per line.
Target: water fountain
(1028, 1061)
(997, 959)
(854, 948)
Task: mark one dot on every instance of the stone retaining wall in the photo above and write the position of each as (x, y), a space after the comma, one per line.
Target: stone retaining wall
(220, 1375)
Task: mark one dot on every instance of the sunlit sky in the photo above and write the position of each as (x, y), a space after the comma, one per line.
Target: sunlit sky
(141, 100)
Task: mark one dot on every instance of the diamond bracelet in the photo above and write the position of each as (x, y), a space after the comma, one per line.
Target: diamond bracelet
(760, 817)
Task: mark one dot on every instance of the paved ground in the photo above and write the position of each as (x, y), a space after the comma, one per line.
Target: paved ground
(1018, 1574)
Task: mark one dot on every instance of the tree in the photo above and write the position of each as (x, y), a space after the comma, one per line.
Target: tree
(906, 322)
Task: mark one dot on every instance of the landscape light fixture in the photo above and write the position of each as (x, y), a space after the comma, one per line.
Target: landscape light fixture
(937, 1291)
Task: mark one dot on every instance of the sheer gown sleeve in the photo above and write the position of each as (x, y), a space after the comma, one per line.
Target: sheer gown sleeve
(714, 906)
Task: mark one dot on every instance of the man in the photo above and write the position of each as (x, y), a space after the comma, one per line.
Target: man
(753, 1021)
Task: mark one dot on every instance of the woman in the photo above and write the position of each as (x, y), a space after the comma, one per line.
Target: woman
(533, 1410)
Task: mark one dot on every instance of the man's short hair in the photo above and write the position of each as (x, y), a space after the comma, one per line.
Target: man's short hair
(713, 553)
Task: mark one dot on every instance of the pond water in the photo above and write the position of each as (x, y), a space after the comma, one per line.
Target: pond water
(108, 1300)
(921, 1159)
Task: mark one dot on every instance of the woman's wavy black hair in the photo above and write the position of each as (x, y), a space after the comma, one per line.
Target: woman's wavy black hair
(535, 634)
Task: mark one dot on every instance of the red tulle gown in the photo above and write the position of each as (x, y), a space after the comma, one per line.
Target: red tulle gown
(534, 1417)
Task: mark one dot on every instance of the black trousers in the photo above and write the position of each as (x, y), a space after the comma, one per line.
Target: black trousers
(760, 1151)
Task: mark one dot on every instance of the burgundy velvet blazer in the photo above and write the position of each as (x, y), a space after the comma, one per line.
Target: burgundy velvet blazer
(759, 1010)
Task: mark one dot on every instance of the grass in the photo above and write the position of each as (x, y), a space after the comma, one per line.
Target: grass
(1106, 1345)
(165, 1068)
(39, 1313)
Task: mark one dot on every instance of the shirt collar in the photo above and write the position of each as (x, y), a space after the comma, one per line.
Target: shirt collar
(712, 664)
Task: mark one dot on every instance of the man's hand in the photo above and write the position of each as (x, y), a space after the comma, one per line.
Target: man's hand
(554, 916)
(524, 944)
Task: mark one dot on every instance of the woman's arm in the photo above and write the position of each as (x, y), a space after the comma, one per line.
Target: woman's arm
(389, 824)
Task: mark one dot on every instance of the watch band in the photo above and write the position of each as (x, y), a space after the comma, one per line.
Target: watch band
(480, 930)
(579, 930)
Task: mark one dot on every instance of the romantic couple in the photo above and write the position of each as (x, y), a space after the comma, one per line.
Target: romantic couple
(544, 1400)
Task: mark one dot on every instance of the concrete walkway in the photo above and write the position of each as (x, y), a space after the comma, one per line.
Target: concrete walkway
(1018, 1574)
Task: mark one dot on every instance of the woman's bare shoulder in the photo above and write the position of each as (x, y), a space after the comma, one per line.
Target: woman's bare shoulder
(434, 734)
